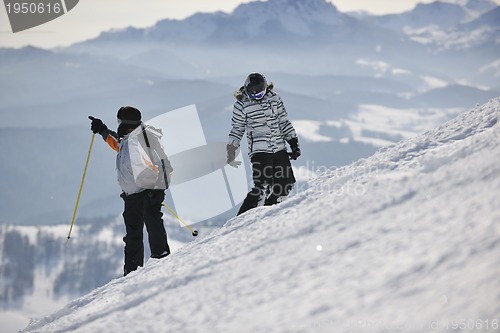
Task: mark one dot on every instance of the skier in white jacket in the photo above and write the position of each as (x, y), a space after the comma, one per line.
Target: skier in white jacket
(141, 206)
(260, 112)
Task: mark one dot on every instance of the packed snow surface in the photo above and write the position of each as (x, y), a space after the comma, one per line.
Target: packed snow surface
(407, 240)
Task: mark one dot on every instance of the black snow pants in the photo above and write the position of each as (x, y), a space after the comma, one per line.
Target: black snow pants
(272, 177)
(143, 208)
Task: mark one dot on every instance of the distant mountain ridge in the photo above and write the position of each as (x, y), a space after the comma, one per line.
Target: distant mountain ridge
(282, 21)
(490, 18)
(273, 22)
(443, 14)
(478, 6)
(447, 25)
(284, 33)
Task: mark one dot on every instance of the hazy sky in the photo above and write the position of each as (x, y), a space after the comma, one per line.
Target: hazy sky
(90, 17)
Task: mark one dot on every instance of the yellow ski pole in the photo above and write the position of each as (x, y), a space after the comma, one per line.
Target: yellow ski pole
(193, 232)
(81, 186)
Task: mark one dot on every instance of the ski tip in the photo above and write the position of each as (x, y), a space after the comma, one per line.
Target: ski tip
(91, 118)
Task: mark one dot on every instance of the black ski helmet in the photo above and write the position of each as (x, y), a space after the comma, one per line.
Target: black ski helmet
(256, 86)
(128, 119)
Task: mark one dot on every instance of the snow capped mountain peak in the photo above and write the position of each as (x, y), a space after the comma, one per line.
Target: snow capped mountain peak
(447, 25)
(303, 7)
(454, 11)
(478, 6)
(444, 13)
(402, 239)
(306, 7)
(278, 19)
(436, 5)
(490, 18)
(293, 15)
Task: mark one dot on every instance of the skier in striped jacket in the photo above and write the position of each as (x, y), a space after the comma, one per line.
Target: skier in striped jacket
(259, 111)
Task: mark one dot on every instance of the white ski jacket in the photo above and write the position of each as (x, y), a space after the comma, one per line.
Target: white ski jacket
(265, 122)
(124, 167)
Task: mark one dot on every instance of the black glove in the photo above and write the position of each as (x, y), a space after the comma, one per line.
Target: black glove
(231, 153)
(294, 144)
(97, 125)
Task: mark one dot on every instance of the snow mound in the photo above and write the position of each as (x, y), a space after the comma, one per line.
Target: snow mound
(405, 240)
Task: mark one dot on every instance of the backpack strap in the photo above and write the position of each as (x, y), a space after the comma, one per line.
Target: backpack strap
(150, 154)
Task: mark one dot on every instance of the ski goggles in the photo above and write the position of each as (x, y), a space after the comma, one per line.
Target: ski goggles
(128, 122)
(258, 95)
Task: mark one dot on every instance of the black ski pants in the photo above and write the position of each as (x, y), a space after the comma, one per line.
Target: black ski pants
(143, 208)
(272, 178)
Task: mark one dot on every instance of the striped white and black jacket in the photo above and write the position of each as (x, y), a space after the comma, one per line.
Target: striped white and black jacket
(265, 121)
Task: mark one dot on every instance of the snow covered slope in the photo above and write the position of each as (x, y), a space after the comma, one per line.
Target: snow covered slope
(405, 240)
